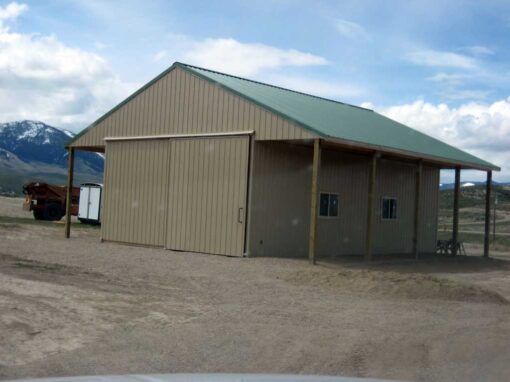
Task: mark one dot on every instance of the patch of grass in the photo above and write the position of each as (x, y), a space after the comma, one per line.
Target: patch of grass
(473, 218)
(11, 181)
(473, 197)
(37, 266)
(501, 242)
(469, 215)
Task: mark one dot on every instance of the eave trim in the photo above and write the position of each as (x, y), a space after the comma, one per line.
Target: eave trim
(180, 136)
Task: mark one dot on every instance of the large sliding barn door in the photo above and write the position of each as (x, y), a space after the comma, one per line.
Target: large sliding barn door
(207, 195)
(135, 192)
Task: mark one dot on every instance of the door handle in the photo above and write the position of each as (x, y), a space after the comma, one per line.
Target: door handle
(240, 215)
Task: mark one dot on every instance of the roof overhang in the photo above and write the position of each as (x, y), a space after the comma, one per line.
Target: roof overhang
(94, 149)
(410, 155)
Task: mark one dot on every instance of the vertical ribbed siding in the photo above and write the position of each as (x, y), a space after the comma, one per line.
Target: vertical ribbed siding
(394, 179)
(280, 200)
(182, 103)
(135, 192)
(347, 175)
(207, 189)
(204, 181)
(281, 190)
(427, 234)
(397, 179)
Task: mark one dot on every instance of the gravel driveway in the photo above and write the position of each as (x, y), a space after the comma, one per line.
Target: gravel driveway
(78, 306)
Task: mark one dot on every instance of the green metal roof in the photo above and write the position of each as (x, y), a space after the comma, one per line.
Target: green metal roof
(332, 119)
(328, 119)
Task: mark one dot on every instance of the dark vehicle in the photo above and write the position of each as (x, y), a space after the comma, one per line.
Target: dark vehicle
(48, 202)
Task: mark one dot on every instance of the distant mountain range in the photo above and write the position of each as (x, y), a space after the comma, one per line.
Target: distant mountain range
(450, 186)
(35, 151)
(474, 196)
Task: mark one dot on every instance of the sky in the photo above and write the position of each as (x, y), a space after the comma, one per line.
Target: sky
(442, 67)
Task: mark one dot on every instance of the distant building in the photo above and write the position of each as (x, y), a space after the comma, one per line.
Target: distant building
(203, 161)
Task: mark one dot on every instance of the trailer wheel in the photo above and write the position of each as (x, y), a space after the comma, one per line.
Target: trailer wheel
(53, 211)
(38, 214)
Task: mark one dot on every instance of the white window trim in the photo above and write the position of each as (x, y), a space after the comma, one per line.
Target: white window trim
(381, 208)
(319, 205)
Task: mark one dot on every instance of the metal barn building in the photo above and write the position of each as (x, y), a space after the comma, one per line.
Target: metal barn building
(203, 161)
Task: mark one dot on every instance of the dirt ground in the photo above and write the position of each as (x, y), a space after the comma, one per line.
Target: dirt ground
(80, 307)
(12, 207)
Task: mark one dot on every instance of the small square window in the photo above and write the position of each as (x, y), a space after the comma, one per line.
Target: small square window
(333, 205)
(328, 204)
(389, 208)
(324, 205)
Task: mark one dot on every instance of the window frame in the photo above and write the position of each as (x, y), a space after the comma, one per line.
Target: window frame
(383, 198)
(329, 193)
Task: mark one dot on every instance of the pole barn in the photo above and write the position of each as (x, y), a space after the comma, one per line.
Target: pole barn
(202, 161)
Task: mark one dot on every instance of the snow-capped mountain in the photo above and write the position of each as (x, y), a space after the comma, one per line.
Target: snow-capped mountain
(35, 151)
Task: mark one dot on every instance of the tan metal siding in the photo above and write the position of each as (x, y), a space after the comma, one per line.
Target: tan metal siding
(182, 103)
(207, 189)
(397, 179)
(347, 175)
(279, 213)
(135, 199)
(280, 200)
(208, 179)
(427, 235)
(394, 179)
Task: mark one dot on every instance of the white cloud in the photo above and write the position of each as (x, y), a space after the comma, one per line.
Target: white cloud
(11, 11)
(456, 94)
(452, 86)
(159, 56)
(100, 45)
(351, 29)
(45, 79)
(450, 78)
(245, 59)
(258, 61)
(478, 50)
(437, 58)
(481, 129)
(33, 57)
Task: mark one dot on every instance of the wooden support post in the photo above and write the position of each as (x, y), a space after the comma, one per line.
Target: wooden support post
(456, 195)
(314, 195)
(487, 214)
(370, 207)
(417, 199)
(70, 173)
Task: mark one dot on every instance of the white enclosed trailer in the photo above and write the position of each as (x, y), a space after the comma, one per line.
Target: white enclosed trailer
(89, 210)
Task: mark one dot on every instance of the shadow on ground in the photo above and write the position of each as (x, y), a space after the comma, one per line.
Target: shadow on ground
(426, 264)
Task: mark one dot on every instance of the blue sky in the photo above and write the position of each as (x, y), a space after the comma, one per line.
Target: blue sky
(372, 45)
(442, 67)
